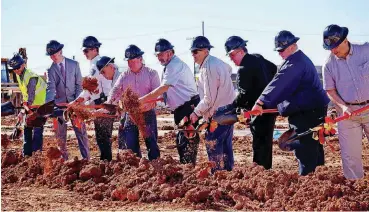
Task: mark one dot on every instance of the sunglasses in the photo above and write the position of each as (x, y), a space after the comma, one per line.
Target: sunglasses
(281, 50)
(86, 50)
(330, 40)
(196, 51)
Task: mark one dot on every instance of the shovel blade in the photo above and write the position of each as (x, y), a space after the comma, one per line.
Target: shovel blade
(46, 109)
(286, 138)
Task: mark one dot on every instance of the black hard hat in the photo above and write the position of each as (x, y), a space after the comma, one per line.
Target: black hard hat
(16, 61)
(104, 61)
(90, 42)
(333, 36)
(284, 39)
(162, 45)
(132, 52)
(234, 42)
(53, 47)
(201, 42)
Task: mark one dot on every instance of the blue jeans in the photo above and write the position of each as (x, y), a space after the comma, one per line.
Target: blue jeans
(128, 135)
(32, 140)
(219, 147)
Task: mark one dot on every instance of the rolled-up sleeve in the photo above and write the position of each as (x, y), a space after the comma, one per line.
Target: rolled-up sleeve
(211, 81)
(116, 92)
(328, 81)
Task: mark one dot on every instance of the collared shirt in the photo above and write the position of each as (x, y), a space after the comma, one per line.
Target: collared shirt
(104, 85)
(182, 83)
(254, 74)
(142, 83)
(215, 86)
(349, 76)
(296, 87)
(62, 62)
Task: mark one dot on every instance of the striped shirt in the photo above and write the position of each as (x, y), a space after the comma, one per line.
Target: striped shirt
(215, 86)
(349, 76)
(142, 83)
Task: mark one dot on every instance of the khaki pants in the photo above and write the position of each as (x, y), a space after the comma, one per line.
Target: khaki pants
(350, 138)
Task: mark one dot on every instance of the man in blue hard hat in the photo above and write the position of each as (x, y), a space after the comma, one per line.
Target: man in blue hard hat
(64, 84)
(299, 95)
(141, 80)
(216, 90)
(253, 76)
(33, 89)
(346, 80)
(178, 88)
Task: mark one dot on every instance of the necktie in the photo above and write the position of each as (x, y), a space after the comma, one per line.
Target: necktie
(62, 71)
(165, 95)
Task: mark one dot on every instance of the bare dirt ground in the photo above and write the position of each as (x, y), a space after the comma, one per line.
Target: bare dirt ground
(46, 182)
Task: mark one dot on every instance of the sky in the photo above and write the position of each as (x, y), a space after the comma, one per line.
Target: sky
(119, 23)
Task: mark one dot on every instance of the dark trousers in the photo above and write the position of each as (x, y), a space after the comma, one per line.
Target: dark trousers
(309, 152)
(219, 147)
(262, 128)
(187, 149)
(32, 140)
(128, 135)
(103, 132)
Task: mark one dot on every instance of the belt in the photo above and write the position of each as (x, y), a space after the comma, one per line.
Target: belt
(360, 103)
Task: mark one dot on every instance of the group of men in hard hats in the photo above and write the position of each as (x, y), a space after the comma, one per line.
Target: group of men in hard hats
(294, 89)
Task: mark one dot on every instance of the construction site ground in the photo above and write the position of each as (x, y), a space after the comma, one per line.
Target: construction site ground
(46, 182)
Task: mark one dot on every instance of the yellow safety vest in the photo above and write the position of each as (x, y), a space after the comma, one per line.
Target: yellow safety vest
(40, 92)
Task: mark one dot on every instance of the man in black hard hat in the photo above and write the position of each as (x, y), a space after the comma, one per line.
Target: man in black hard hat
(253, 76)
(346, 80)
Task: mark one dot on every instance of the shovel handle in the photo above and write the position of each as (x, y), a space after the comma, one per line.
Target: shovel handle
(249, 113)
(355, 112)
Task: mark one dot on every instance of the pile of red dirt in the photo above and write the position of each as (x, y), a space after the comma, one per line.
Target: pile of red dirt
(90, 84)
(132, 106)
(134, 179)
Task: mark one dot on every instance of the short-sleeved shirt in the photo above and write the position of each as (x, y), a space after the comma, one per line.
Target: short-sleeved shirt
(182, 83)
(350, 76)
(142, 83)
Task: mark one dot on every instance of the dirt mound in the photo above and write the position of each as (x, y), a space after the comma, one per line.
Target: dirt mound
(4, 141)
(134, 179)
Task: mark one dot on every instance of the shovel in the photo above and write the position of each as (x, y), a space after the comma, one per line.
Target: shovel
(290, 136)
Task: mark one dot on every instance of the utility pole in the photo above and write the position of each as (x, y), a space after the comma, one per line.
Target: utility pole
(203, 28)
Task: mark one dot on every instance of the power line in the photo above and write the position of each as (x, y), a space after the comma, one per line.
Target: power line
(119, 38)
(268, 31)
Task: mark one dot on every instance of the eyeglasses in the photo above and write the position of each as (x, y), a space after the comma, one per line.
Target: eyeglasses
(281, 50)
(330, 40)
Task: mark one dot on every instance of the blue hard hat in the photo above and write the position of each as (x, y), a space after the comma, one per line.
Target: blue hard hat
(53, 47)
(16, 61)
(162, 45)
(104, 61)
(201, 42)
(132, 52)
(90, 42)
(234, 42)
(333, 36)
(284, 39)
